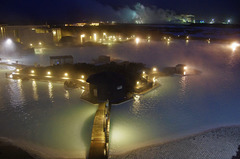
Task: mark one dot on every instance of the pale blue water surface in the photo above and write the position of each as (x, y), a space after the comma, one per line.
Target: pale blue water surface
(57, 123)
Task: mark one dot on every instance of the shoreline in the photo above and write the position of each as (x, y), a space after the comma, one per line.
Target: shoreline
(221, 142)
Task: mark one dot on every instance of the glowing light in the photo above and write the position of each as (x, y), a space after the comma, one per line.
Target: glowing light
(32, 71)
(212, 21)
(95, 37)
(185, 67)
(138, 82)
(66, 74)
(49, 73)
(11, 76)
(40, 43)
(54, 33)
(9, 41)
(144, 72)
(82, 76)
(234, 46)
(31, 44)
(184, 73)
(17, 70)
(154, 69)
(82, 36)
(137, 40)
(136, 97)
(187, 37)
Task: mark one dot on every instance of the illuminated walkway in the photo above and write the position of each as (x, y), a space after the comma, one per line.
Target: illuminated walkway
(100, 133)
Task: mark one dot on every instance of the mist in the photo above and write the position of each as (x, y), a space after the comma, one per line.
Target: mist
(144, 14)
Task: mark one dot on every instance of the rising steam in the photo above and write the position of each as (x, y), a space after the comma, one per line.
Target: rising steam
(143, 14)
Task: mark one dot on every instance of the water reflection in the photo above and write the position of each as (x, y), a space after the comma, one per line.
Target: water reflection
(35, 94)
(66, 94)
(135, 109)
(50, 90)
(16, 93)
(183, 85)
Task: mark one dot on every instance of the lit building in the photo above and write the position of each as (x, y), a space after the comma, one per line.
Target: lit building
(30, 35)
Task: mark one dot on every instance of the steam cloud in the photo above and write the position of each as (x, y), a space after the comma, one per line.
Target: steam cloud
(143, 14)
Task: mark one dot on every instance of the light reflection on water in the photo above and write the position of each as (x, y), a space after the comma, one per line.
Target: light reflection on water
(55, 118)
(30, 118)
(35, 93)
(50, 91)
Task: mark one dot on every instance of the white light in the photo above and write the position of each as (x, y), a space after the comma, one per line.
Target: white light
(49, 73)
(234, 46)
(9, 41)
(138, 82)
(32, 71)
(40, 43)
(82, 76)
(137, 40)
(17, 70)
(185, 67)
(95, 37)
(66, 74)
(154, 69)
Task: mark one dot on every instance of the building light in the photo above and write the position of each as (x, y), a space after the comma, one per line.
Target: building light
(49, 73)
(82, 36)
(95, 37)
(234, 45)
(40, 43)
(17, 70)
(54, 33)
(154, 69)
(82, 76)
(138, 82)
(31, 44)
(137, 40)
(144, 72)
(185, 67)
(32, 71)
(65, 74)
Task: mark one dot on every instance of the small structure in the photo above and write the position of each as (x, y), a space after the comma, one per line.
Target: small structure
(59, 60)
(181, 69)
(107, 86)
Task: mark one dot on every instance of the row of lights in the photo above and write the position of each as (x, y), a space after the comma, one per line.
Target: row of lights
(49, 73)
(39, 43)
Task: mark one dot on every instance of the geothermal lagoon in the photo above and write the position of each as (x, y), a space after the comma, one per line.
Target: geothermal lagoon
(44, 118)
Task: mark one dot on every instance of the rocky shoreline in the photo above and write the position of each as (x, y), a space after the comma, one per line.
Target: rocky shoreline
(219, 143)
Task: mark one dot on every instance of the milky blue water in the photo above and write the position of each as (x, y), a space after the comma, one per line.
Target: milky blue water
(56, 122)
(45, 117)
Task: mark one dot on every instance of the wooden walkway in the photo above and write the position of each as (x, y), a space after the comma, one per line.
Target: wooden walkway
(100, 133)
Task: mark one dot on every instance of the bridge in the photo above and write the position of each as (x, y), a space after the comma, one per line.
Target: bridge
(100, 132)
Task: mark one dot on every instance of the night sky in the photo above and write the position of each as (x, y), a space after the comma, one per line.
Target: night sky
(68, 11)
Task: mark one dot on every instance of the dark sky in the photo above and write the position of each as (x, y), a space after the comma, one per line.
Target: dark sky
(55, 11)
